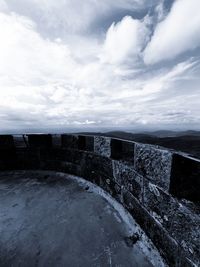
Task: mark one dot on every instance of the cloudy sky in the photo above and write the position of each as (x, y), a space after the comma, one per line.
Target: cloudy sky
(99, 63)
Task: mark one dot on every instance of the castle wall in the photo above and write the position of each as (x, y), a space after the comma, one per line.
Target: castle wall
(159, 187)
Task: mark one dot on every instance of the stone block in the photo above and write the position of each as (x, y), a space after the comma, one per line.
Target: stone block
(184, 261)
(86, 143)
(28, 158)
(7, 152)
(102, 146)
(40, 140)
(166, 245)
(56, 140)
(74, 156)
(20, 141)
(6, 142)
(53, 165)
(153, 163)
(96, 168)
(159, 204)
(122, 150)
(128, 178)
(69, 141)
(185, 229)
(185, 177)
(60, 166)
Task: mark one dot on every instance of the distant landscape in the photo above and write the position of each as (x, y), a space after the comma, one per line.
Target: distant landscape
(186, 141)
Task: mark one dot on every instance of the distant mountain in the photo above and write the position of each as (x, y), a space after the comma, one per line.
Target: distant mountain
(179, 141)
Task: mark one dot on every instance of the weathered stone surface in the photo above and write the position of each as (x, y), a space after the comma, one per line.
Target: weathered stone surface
(184, 261)
(185, 177)
(128, 178)
(50, 165)
(6, 141)
(54, 153)
(56, 140)
(122, 150)
(74, 156)
(159, 204)
(97, 166)
(167, 246)
(51, 219)
(20, 141)
(185, 229)
(69, 141)
(61, 166)
(141, 186)
(102, 146)
(86, 143)
(153, 163)
(40, 140)
(7, 152)
(63, 154)
(28, 158)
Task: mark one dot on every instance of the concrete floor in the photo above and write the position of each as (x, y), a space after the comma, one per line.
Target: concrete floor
(48, 220)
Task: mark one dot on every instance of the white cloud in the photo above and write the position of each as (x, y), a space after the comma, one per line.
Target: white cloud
(87, 78)
(3, 6)
(125, 40)
(26, 57)
(71, 16)
(178, 33)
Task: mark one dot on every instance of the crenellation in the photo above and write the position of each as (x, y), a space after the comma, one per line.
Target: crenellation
(185, 177)
(69, 141)
(102, 146)
(122, 150)
(150, 182)
(86, 143)
(154, 164)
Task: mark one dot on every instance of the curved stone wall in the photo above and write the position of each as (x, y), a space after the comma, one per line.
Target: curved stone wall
(159, 187)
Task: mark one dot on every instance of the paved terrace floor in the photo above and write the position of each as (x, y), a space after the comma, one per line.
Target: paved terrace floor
(48, 219)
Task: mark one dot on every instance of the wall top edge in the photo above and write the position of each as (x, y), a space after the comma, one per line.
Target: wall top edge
(173, 151)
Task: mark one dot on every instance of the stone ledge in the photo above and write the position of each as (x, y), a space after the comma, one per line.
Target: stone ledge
(141, 183)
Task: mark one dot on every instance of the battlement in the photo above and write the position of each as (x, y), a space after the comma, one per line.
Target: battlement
(159, 187)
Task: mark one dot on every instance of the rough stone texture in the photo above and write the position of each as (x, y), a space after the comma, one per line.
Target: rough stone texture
(86, 143)
(56, 140)
(122, 150)
(47, 220)
(185, 229)
(20, 141)
(6, 141)
(61, 166)
(63, 154)
(97, 168)
(141, 186)
(7, 152)
(185, 178)
(127, 178)
(28, 158)
(153, 163)
(160, 205)
(102, 146)
(69, 141)
(40, 140)
(54, 153)
(168, 247)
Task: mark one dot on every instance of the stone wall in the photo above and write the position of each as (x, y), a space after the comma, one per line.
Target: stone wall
(159, 187)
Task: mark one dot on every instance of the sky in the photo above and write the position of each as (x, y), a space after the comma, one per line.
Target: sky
(129, 64)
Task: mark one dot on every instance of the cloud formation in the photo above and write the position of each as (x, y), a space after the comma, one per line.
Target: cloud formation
(125, 40)
(176, 34)
(116, 63)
